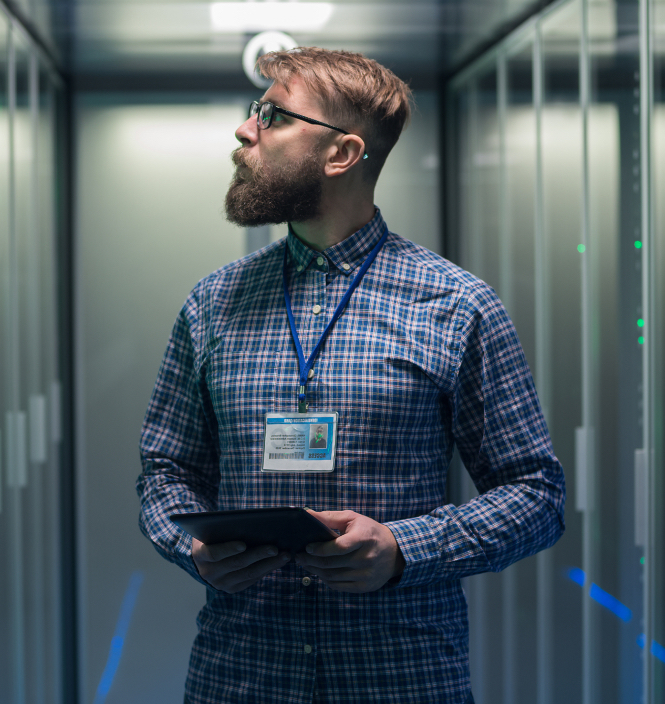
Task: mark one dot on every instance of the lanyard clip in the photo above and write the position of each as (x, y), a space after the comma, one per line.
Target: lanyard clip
(302, 404)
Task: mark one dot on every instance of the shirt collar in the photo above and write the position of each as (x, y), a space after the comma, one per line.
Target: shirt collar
(346, 255)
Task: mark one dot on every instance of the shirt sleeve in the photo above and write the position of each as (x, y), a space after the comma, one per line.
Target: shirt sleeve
(502, 438)
(178, 446)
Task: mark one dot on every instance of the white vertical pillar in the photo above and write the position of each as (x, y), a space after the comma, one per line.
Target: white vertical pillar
(505, 229)
(16, 457)
(505, 292)
(55, 411)
(544, 559)
(475, 249)
(37, 422)
(589, 630)
(641, 509)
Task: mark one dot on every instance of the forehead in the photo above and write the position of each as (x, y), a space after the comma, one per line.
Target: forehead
(297, 98)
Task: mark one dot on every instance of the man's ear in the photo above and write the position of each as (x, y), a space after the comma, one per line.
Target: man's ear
(344, 154)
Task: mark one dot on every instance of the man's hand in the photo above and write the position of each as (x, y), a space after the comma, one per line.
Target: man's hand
(230, 567)
(362, 559)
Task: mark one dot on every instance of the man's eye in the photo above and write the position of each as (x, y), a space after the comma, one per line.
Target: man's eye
(277, 117)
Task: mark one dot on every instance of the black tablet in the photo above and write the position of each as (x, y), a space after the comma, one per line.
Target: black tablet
(289, 528)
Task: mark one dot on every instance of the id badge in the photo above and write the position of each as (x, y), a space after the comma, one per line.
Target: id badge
(299, 442)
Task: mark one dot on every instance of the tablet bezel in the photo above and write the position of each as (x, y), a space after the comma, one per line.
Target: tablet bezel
(287, 527)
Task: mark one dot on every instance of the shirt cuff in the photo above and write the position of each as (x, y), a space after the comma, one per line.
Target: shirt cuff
(186, 561)
(417, 542)
(435, 548)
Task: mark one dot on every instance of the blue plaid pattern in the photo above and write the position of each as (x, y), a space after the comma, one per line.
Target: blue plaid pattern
(424, 357)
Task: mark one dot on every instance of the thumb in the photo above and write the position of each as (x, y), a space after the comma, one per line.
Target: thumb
(335, 519)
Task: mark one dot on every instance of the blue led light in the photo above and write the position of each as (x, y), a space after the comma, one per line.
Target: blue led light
(577, 575)
(118, 640)
(609, 602)
(620, 610)
(658, 650)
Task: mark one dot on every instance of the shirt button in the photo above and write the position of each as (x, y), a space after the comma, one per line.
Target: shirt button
(317, 309)
(310, 375)
(346, 267)
(308, 649)
(320, 260)
(306, 581)
(299, 267)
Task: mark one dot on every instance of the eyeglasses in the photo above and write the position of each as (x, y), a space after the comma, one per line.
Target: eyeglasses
(265, 112)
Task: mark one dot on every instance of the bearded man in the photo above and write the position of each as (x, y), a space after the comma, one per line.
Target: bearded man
(411, 355)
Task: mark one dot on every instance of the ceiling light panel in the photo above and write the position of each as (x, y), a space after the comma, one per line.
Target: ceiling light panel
(235, 17)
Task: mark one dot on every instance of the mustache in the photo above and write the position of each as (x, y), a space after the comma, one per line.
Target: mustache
(239, 158)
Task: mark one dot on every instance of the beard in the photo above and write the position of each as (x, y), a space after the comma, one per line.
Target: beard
(289, 192)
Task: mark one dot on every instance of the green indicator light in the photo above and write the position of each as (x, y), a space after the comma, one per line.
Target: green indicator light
(580, 248)
(638, 244)
(640, 339)
(641, 560)
(640, 323)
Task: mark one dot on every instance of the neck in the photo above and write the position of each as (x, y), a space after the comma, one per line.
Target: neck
(333, 226)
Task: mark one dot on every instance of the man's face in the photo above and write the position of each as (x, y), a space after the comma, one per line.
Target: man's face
(279, 172)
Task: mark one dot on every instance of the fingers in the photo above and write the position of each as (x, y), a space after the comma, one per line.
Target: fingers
(359, 531)
(240, 580)
(361, 560)
(229, 569)
(343, 545)
(216, 552)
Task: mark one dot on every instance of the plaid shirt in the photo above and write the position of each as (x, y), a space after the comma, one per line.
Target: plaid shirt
(424, 357)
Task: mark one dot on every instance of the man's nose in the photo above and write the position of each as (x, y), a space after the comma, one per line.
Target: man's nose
(248, 133)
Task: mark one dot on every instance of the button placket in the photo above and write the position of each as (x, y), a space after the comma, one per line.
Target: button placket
(305, 321)
(318, 321)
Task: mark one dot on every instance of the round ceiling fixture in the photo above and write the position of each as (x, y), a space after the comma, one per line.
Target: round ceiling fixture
(258, 46)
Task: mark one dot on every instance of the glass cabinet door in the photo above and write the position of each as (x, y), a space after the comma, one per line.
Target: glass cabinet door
(30, 627)
(614, 408)
(655, 582)
(556, 180)
(5, 366)
(559, 328)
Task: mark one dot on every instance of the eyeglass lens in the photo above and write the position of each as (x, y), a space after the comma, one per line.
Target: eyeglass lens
(265, 116)
(265, 113)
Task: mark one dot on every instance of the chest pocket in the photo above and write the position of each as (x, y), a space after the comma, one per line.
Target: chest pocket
(386, 386)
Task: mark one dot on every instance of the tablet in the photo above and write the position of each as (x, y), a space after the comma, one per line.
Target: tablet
(288, 528)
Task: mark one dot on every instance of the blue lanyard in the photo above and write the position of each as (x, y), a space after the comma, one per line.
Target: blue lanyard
(306, 365)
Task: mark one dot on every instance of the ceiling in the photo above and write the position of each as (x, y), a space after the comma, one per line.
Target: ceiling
(418, 39)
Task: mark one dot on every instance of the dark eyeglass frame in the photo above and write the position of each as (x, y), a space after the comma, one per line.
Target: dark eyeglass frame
(255, 109)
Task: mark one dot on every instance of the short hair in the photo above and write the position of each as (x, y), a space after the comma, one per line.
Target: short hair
(357, 94)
